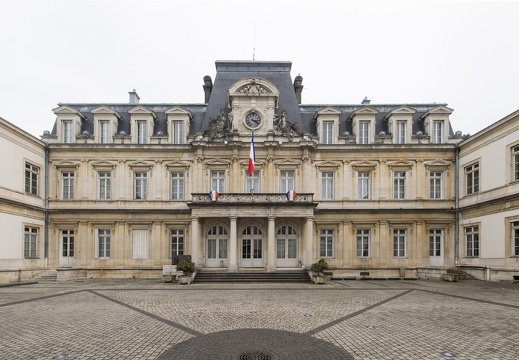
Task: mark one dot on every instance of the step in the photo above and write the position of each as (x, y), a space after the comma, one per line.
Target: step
(251, 277)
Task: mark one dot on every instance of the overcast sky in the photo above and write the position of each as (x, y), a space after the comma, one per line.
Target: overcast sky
(462, 53)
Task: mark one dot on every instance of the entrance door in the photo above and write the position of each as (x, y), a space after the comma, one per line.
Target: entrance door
(217, 247)
(66, 255)
(286, 240)
(252, 247)
(436, 247)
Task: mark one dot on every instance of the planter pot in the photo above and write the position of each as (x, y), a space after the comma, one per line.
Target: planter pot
(184, 279)
(320, 279)
(167, 278)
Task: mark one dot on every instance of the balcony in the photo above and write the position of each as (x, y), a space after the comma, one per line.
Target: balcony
(248, 198)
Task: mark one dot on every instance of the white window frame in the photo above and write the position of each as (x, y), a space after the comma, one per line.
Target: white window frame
(254, 179)
(472, 177)
(287, 180)
(67, 185)
(141, 185)
(178, 132)
(399, 243)
(399, 185)
(327, 137)
(437, 131)
(31, 242)
(364, 185)
(515, 163)
(327, 184)
(103, 243)
(364, 132)
(105, 185)
(401, 131)
(67, 128)
(436, 185)
(177, 185)
(363, 242)
(326, 243)
(472, 241)
(105, 133)
(140, 239)
(176, 242)
(32, 178)
(217, 181)
(142, 131)
(435, 242)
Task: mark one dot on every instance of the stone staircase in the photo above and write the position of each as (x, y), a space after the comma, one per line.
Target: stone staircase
(47, 275)
(454, 275)
(282, 276)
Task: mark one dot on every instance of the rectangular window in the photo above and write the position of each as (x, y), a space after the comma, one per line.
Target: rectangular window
(103, 243)
(30, 249)
(141, 180)
(286, 180)
(177, 186)
(472, 241)
(178, 132)
(515, 162)
(32, 174)
(67, 185)
(400, 132)
(437, 137)
(327, 132)
(399, 185)
(326, 243)
(105, 185)
(363, 243)
(67, 131)
(472, 178)
(435, 184)
(67, 243)
(177, 242)
(363, 132)
(515, 238)
(435, 242)
(140, 244)
(142, 132)
(363, 185)
(106, 136)
(399, 241)
(327, 185)
(218, 180)
(252, 182)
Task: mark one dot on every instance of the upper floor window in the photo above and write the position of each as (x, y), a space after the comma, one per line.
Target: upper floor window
(178, 132)
(401, 132)
(437, 135)
(364, 132)
(399, 185)
(30, 249)
(472, 178)
(515, 238)
(32, 173)
(252, 183)
(326, 243)
(103, 243)
(363, 185)
(141, 184)
(67, 131)
(67, 185)
(515, 162)
(327, 132)
(177, 186)
(327, 185)
(435, 185)
(472, 241)
(399, 242)
(105, 185)
(286, 180)
(177, 242)
(106, 136)
(218, 180)
(363, 236)
(142, 132)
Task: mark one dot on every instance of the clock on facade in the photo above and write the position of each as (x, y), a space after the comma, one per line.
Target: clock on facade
(253, 120)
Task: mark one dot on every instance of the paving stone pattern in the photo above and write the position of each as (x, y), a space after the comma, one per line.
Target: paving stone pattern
(148, 319)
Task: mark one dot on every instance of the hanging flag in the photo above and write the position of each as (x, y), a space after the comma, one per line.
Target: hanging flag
(252, 156)
(291, 195)
(213, 195)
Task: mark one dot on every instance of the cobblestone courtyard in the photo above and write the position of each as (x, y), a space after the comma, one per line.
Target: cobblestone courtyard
(148, 319)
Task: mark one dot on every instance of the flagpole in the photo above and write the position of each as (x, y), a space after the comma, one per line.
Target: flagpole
(252, 158)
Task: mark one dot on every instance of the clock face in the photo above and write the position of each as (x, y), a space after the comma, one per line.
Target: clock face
(253, 120)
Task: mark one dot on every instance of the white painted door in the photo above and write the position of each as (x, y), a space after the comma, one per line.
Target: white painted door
(252, 247)
(286, 243)
(436, 247)
(66, 255)
(217, 245)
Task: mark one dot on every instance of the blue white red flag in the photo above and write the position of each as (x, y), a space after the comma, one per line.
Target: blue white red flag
(252, 156)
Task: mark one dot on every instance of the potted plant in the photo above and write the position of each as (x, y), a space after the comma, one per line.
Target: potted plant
(318, 268)
(167, 273)
(188, 268)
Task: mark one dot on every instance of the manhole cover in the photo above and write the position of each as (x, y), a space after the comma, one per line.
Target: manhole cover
(254, 355)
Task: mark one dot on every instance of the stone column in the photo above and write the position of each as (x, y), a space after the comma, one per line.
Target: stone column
(309, 232)
(271, 260)
(233, 261)
(194, 240)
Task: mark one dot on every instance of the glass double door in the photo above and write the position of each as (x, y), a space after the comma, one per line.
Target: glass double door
(252, 247)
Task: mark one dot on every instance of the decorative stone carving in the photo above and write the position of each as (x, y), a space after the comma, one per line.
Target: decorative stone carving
(219, 127)
(283, 127)
(253, 88)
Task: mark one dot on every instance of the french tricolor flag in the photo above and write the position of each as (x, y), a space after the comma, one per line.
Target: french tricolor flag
(213, 195)
(252, 156)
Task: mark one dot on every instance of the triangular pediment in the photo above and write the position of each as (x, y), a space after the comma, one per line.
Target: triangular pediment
(327, 164)
(329, 111)
(103, 110)
(287, 162)
(437, 163)
(364, 164)
(66, 110)
(365, 111)
(400, 163)
(403, 110)
(177, 110)
(440, 110)
(140, 164)
(177, 164)
(67, 164)
(140, 110)
(217, 162)
(104, 164)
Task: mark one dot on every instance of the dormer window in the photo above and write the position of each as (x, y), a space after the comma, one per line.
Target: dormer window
(436, 124)
(142, 120)
(66, 127)
(68, 124)
(400, 123)
(401, 132)
(142, 132)
(363, 124)
(328, 125)
(178, 125)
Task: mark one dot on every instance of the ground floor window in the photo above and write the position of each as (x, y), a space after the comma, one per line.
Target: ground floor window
(472, 241)
(140, 243)
(435, 242)
(326, 243)
(177, 242)
(363, 236)
(399, 242)
(30, 242)
(103, 243)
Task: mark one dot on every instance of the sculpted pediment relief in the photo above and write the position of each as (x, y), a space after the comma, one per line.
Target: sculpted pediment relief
(254, 87)
(67, 164)
(437, 164)
(400, 164)
(217, 163)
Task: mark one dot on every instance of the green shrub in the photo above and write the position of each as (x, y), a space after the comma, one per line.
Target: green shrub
(319, 267)
(186, 266)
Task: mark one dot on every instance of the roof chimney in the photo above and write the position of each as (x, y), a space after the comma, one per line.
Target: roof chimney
(134, 98)
(366, 101)
(208, 88)
(298, 87)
